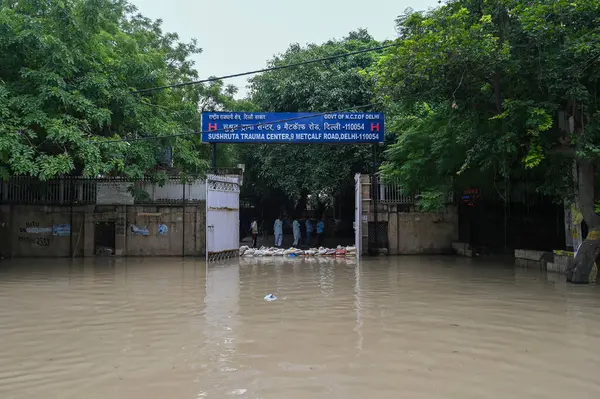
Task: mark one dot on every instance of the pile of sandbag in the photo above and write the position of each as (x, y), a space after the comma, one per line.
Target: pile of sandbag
(266, 251)
(350, 251)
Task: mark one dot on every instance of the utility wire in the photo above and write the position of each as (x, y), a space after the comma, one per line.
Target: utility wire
(275, 68)
(168, 136)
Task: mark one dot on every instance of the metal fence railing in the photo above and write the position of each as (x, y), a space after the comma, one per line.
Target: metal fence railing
(392, 193)
(102, 191)
(28, 190)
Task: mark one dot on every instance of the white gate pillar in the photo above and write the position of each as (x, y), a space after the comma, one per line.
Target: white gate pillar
(358, 215)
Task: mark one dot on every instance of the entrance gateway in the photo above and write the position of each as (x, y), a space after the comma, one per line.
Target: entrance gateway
(222, 197)
(222, 217)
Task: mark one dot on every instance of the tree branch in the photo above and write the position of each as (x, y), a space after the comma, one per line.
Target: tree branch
(567, 151)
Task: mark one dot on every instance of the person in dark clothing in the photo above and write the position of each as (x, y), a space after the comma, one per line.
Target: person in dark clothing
(309, 230)
(320, 232)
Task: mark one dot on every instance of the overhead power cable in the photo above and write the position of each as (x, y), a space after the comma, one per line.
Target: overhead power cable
(275, 68)
(168, 136)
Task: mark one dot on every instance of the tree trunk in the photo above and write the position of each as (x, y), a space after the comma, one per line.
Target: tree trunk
(584, 269)
(301, 204)
(576, 215)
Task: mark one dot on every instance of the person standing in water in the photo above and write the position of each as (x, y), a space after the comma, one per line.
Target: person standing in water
(254, 230)
(296, 230)
(320, 232)
(278, 230)
(309, 230)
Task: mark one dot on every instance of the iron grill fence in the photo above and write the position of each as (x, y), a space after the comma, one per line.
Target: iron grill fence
(25, 190)
(378, 235)
(387, 197)
(392, 193)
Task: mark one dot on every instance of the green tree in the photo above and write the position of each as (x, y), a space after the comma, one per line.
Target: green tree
(498, 86)
(301, 170)
(68, 72)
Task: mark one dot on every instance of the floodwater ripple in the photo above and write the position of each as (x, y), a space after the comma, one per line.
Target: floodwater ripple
(415, 327)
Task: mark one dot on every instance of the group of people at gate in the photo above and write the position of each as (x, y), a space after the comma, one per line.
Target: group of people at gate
(309, 229)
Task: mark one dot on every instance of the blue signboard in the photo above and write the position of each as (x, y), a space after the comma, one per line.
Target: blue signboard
(267, 127)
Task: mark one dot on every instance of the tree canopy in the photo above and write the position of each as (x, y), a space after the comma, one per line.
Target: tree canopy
(67, 106)
(300, 170)
(487, 85)
(498, 87)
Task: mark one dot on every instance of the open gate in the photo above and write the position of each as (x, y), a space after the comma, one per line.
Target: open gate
(222, 217)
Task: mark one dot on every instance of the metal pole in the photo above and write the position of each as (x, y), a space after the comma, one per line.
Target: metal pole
(125, 251)
(71, 253)
(183, 224)
(12, 237)
(506, 204)
(214, 155)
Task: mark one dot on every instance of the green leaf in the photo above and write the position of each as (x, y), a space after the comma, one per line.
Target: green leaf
(68, 69)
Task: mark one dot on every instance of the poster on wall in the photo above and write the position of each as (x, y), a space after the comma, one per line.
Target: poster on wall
(163, 229)
(38, 230)
(61, 230)
(142, 231)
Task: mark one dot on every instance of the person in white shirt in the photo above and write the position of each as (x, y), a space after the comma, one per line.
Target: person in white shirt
(296, 230)
(254, 228)
(278, 229)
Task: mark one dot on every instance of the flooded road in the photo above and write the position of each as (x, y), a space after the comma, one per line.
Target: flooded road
(410, 327)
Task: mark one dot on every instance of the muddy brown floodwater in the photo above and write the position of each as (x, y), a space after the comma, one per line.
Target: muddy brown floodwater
(408, 327)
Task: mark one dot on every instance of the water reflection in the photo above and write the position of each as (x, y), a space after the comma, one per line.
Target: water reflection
(420, 327)
(221, 307)
(358, 308)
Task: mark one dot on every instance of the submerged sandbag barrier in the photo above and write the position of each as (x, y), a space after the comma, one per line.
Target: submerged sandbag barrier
(291, 252)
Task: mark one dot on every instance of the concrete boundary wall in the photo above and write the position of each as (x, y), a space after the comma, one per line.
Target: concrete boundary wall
(73, 231)
(414, 233)
(409, 232)
(556, 262)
